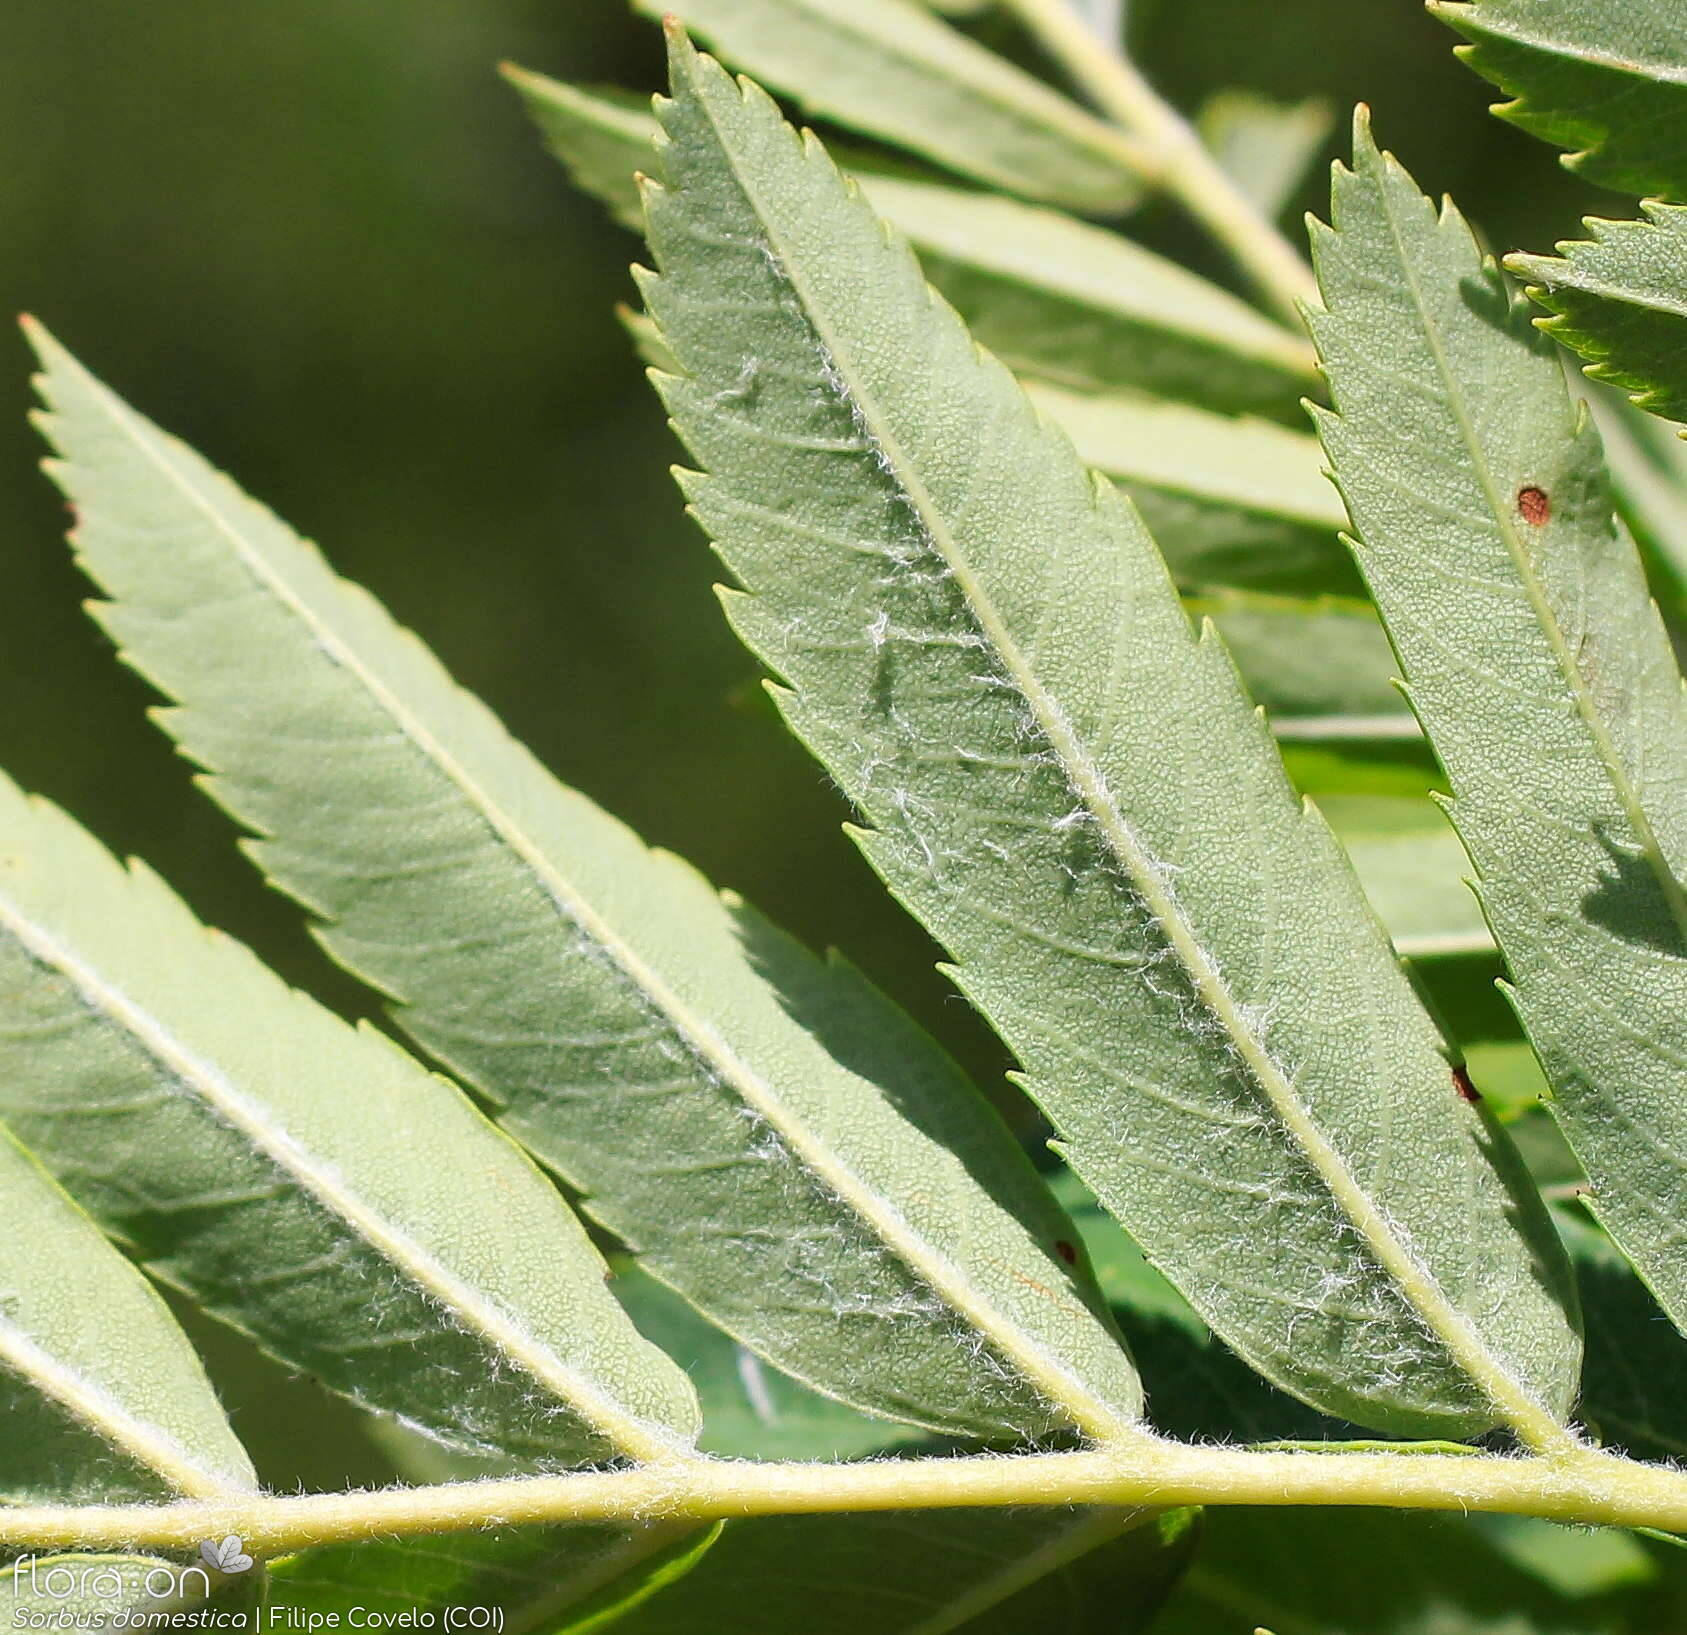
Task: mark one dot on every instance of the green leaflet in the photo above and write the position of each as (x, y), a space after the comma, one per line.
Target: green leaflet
(1321, 667)
(1605, 78)
(1620, 300)
(1201, 1391)
(985, 1572)
(555, 1580)
(1231, 502)
(101, 1395)
(892, 70)
(1538, 666)
(304, 1180)
(1049, 295)
(1242, 514)
(1077, 304)
(1071, 790)
(1266, 147)
(772, 1136)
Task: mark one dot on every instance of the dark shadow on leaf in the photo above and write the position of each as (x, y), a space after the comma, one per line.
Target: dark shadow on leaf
(1630, 904)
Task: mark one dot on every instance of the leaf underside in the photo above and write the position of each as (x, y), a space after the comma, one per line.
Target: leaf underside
(1185, 967)
(890, 69)
(774, 1138)
(1051, 296)
(1540, 669)
(101, 1395)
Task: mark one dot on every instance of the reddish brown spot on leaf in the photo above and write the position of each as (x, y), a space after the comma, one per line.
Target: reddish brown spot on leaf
(1534, 506)
(1066, 1252)
(1461, 1083)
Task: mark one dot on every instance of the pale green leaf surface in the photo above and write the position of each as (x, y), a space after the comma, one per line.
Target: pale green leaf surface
(1201, 1391)
(1606, 79)
(1320, 667)
(985, 1572)
(1619, 299)
(304, 1180)
(1265, 147)
(1049, 295)
(101, 1396)
(1229, 501)
(1069, 787)
(892, 70)
(1079, 305)
(1539, 668)
(767, 1131)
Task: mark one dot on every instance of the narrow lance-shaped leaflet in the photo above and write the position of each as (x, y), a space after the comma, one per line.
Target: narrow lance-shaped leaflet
(101, 1395)
(1069, 787)
(1538, 665)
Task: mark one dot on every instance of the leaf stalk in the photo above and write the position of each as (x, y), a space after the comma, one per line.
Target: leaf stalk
(1585, 1486)
(1177, 161)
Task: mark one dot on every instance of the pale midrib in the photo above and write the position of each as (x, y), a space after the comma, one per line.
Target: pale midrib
(1088, 1411)
(94, 1406)
(423, 1268)
(1532, 1422)
(1435, 942)
(1622, 785)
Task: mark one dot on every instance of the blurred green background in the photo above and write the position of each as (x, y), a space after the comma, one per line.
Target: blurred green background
(317, 239)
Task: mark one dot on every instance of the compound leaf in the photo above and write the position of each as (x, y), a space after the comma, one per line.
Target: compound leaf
(980, 641)
(771, 1135)
(1538, 666)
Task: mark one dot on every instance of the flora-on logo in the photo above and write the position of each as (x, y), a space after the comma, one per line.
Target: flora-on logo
(226, 1557)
